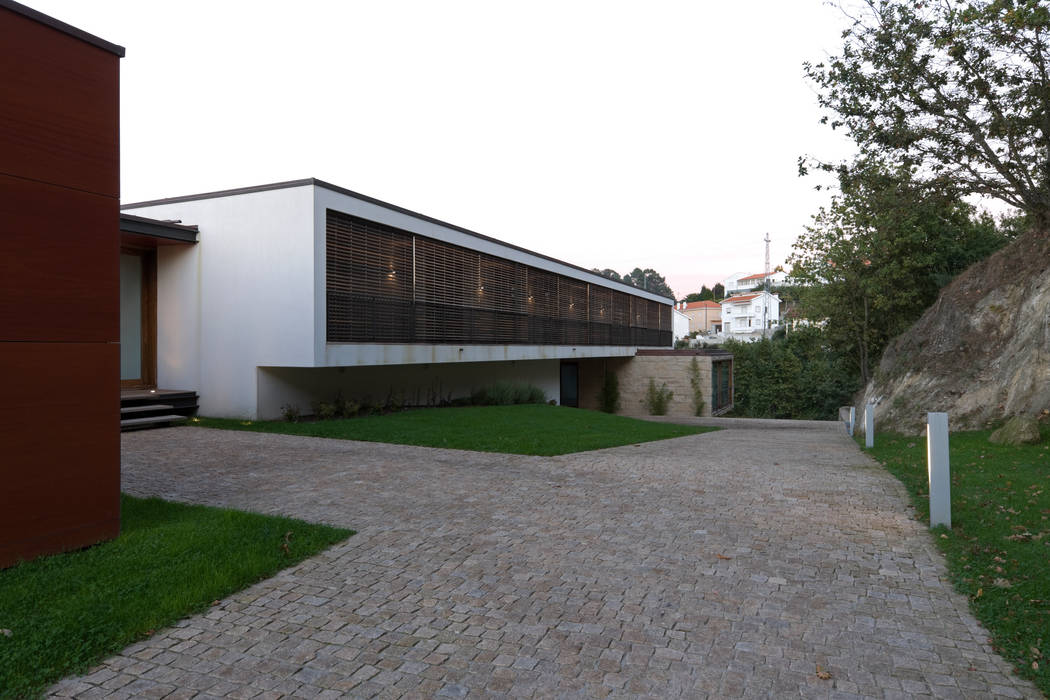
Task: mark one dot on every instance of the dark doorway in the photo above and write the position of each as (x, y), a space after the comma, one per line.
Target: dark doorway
(570, 384)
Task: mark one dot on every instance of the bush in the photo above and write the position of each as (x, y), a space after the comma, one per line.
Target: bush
(797, 375)
(506, 394)
(290, 412)
(325, 410)
(657, 399)
(609, 396)
(698, 388)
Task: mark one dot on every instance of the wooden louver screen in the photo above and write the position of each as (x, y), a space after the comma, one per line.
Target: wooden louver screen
(385, 285)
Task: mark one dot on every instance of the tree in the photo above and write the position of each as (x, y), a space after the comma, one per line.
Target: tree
(718, 292)
(705, 294)
(610, 274)
(649, 280)
(957, 92)
(876, 257)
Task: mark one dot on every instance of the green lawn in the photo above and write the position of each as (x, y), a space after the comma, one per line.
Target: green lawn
(528, 429)
(998, 549)
(68, 611)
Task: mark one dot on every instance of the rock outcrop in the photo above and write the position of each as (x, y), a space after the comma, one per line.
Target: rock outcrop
(1019, 430)
(981, 353)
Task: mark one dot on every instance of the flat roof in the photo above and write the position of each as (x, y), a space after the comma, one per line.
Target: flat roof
(310, 181)
(61, 26)
(155, 228)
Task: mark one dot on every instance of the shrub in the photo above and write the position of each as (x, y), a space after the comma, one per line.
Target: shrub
(324, 410)
(794, 376)
(657, 399)
(698, 388)
(609, 396)
(394, 402)
(290, 412)
(507, 393)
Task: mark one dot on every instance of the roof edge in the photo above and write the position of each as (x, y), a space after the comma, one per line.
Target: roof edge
(75, 32)
(155, 228)
(311, 181)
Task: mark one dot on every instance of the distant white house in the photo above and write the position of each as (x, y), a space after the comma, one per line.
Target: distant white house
(740, 282)
(750, 316)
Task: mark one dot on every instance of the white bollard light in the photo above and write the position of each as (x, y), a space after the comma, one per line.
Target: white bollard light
(938, 469)
(869, 425)
(852, 419)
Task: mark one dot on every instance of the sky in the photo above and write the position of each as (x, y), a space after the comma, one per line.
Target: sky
(655, 134)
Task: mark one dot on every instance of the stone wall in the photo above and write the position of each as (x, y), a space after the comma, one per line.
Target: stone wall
(662, 366)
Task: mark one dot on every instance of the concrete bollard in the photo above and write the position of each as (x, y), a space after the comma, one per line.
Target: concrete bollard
(938, 469)
(869, 425)
(852, 419)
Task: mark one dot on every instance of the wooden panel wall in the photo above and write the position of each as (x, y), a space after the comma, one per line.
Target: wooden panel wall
(59, 290)
(388, 285)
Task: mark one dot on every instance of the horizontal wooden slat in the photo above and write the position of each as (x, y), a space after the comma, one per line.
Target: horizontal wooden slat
(390, 286)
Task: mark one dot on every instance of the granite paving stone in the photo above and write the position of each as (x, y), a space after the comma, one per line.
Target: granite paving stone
(727, 564)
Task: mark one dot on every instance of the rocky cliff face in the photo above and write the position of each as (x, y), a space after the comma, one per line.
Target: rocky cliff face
(980, 353)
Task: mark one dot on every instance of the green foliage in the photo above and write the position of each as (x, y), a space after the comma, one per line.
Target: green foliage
(534, 429)
(609, 395)
(347, 408)
(875, 259)
(697, 386)
(998, 549)
(957, 93)
(791, 375)
(68, 611)
(705, 294)
(647, 279)
(507, 394)
(290, 412)
(325, 410)
(657, 398)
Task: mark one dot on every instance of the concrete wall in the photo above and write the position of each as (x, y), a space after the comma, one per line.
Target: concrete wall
(254, 291)
(670, 366)
(417, 384)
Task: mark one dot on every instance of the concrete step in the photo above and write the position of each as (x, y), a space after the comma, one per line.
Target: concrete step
(143, 409)
(149, 422)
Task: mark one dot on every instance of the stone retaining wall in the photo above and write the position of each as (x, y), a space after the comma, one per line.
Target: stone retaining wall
(662, 366)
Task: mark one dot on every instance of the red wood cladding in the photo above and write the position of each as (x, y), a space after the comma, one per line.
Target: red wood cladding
(59, 108)
(59, 290)
(61, 444)
(59, 264)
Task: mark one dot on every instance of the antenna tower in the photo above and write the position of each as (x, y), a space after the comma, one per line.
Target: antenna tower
(765, 302)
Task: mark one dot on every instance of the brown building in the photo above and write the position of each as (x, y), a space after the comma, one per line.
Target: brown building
(59, 252)
(704, 316)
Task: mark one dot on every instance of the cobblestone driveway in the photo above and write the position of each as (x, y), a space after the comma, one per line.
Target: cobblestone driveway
(727, 564)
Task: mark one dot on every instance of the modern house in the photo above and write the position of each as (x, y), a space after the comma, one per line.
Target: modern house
(59, 323)
(704, 316)
(297, 291)
(750, 316)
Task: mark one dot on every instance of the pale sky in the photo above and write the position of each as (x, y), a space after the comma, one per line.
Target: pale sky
(606, 134)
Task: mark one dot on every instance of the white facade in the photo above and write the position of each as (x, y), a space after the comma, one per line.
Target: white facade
(750, 316)
(241, 311)
(679, 324)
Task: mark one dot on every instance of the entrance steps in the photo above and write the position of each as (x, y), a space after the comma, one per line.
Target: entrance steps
(142, 409)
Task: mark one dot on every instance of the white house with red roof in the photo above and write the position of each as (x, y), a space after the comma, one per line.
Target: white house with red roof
(739, 282)
(750, 316)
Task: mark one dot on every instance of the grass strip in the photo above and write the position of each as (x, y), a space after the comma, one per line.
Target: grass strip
(998, 549)
(68, 611)
(527, 429)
